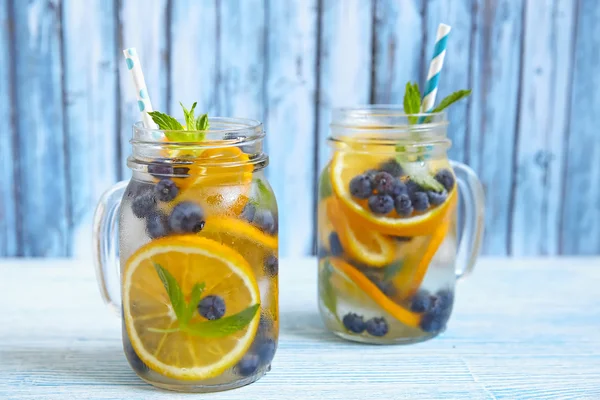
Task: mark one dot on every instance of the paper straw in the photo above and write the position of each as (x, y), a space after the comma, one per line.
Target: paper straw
(437, 62)
(143, 100)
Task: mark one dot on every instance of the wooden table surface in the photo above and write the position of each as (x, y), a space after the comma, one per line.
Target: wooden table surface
(522, 329)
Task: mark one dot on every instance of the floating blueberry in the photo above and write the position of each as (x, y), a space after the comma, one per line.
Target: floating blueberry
(421, 301)
(186, 217)
(403, 205)
(420, 201)
(381, 204)
(144, 204)
(266, 350)
(437, 198)
(248, 365)
(265, 326)
(398, 188)
(354, 323)
(166, 190)
(392, 167)
(157, 225)
(360, 187)
(322, 252)
(440, 308)
(248, 212)
(377, 327)
(386, 287)
(272, 265)
(413, 187)
(212, 307)
(383, 183)
(134, 360)
(265, 221)
(370, 173)
(159, 169)
(446, 178)
(335, 245)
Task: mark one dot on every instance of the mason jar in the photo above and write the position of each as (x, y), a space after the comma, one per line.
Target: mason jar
(194, 234)
(389, 248)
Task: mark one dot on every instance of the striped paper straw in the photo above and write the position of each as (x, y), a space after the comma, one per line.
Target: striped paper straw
(437, 62)
(143, 100)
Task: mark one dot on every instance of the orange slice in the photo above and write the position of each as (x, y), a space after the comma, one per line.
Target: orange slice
(147, 310)
(363, 284)
(346, 165)
(362, 243)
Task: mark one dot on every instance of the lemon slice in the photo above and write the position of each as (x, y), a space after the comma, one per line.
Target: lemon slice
(346, 165)
(147, 308)
(364, 245)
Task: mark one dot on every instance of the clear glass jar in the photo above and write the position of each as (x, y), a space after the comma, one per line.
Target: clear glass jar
(389, 250)
(197, 235)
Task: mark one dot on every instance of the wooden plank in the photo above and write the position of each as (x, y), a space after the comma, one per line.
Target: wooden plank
(491, 349)
(490, 140)
(400, 34)
(144, 26)
(43, 198)
(194, 74)
(8, 209)
(455, 74)
(543, 115)
(242, 58)
(580, 233)
(90, 79)
(345, 59)
(290, 120)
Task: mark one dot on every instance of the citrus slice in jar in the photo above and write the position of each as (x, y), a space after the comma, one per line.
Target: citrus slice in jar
(362, 243)
(347, 165)
(154, 329)
(348, 279)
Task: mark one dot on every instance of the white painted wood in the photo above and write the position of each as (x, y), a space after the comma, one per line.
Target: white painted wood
(522, 329)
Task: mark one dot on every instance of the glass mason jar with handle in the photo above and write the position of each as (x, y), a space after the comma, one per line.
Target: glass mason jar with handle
(389, 248)
(187, 254)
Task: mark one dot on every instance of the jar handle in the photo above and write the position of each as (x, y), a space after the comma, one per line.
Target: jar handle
(473, 201)
(106, 245)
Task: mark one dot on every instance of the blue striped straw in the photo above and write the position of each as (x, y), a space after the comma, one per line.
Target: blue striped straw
(435, 67)
(143, 100)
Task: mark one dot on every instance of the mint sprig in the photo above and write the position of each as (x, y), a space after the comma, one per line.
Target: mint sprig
(185, 311)
(327, 294)
(194, 130)
(412, 101)
(165, 121)
(448, 101)
(392, 270)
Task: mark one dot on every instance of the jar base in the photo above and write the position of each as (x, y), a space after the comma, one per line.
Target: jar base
(198, 388)
(384, 340)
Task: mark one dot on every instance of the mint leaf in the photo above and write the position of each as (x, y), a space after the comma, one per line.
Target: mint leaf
(391, 270)
(419, 173)
(173, 290)
(266, 198)
(202, 123)
(193, 303)
(412, 101)
(222, 327)
(325, 189)
(165, 121)
(188, 115)
(327, 291)
(185, 136)
(449, 100)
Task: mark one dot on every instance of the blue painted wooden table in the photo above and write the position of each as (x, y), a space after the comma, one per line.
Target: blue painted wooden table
(522, 329)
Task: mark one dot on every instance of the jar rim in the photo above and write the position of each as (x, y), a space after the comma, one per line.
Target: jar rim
(386, 117)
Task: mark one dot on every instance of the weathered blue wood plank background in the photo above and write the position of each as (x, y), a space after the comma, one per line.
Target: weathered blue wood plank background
(530, 129)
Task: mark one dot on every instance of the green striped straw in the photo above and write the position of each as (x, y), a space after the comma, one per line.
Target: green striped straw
(435, 67)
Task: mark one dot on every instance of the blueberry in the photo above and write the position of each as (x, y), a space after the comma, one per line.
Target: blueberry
(446, 178)
(322, 252)
(437, 198)
(134, 360)
(420, 201)
(398, 188)
(248, 212)
(421, 301)
(266, 351)
(248, 365)
(403, 205)
(265, 326)
(144, 204)
(335, 245)
(377, 327)
(157, 225)
(386, 287)
(354, 323)
(186, 217)
(166, 190)
(413, 187)
(265, 221)
(445, 299)
(360, 187)
(272, 265)
(383, 183)
(392, 167)
(163, 169)
(370, 173)
(440, 308)
(381, 204)
(212, 307)
(402, 238)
